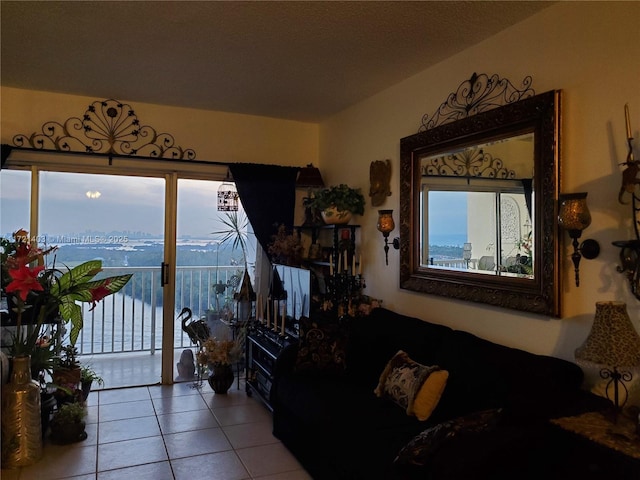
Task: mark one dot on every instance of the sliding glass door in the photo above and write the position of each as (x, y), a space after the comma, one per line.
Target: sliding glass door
(121, 221)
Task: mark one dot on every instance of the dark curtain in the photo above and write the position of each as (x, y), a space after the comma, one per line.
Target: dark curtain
(268, 195)
(6, 150)
(527, 185)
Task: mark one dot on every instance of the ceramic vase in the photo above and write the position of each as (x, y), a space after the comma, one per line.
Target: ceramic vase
(221, 378)
(332, 216)
(21, 417)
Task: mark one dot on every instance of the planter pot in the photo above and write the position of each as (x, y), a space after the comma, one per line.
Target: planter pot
(331, 216)
(221, 378)
(67, 376)
(86, 389)
(48, 402)
(64, 433)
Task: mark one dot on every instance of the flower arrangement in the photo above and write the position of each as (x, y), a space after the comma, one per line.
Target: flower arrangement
(216, 352)
(286, 248)
(37, 294)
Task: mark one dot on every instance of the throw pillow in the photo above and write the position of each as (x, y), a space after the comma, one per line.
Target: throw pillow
(424, 446)
(322, 347)
(429, 394)
(404, 381)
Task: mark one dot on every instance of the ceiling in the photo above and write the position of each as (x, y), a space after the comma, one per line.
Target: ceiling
(294, 60)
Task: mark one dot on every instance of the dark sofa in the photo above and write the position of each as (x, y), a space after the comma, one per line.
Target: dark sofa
(332, 421)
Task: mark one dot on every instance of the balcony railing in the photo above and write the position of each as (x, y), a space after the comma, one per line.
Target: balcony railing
(131, 320)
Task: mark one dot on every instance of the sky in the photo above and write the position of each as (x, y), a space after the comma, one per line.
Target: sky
(124, 204)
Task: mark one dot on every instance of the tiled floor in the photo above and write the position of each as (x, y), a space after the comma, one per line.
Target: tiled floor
(169, 432)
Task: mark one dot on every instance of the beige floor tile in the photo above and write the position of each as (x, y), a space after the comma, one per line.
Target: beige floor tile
(250, 434)
(183, 403)
(62, 461)
(293, 475)
(185, 421)
(120, 411)
(175, 390)
(149, 471)
(248, 413)
(196, 442)
(214, 466)
(129, 453)
(268, 460)
(128, 429)
(123, 395)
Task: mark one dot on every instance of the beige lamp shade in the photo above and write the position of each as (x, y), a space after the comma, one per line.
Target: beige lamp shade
(613, 340)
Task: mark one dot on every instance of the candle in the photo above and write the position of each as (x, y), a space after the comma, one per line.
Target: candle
(627, 120)
(360, 266)
(268, 315)
(331, 264)
(353, 265)
(275, 315)
(284, 316)
(339, 262)
(346, 267)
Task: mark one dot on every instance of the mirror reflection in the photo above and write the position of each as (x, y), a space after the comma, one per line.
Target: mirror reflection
(476, 208)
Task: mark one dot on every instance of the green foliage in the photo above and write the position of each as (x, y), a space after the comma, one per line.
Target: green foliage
(88, 374)
(342, 197)
(74, 412)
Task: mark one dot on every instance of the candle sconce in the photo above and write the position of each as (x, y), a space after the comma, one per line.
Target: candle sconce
(386, 225)
(574, 216)
(630, 249)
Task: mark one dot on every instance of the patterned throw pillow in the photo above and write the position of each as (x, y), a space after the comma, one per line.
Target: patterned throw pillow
(404, 381)
(424, 446)
(322, 347)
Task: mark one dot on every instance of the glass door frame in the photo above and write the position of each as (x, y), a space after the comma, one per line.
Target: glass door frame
(171, 171)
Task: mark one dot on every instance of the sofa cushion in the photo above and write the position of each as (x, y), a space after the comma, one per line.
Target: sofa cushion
(424, 446)
(322, 347)
(373, 340)
(404, 380)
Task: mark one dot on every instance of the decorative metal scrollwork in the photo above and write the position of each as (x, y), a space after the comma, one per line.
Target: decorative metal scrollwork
(470, 163)
(478, 94)
(108, 127)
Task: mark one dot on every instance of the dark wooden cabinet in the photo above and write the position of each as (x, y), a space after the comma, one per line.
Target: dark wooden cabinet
(263, 347)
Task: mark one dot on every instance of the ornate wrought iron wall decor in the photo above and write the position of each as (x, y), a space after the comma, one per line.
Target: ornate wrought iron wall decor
(108, 127)
(478, 94)
(469, 163)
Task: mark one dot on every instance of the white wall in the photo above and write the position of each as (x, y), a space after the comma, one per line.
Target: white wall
(588, 50)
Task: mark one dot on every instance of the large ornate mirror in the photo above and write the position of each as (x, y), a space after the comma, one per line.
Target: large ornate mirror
(479, 198)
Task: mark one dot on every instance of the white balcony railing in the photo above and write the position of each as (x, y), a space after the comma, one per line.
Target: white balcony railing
(131, 320)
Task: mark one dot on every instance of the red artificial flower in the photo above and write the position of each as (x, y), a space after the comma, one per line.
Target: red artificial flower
(25, 280)
(99, 293)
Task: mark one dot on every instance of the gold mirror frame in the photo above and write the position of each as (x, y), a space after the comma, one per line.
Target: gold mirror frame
(541, 294)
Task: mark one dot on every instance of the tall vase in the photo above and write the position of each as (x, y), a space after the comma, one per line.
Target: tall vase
(221, 378)
(21, 417)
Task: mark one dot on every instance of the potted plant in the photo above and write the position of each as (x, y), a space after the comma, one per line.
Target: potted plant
(337, 203)
(66, 376)
(67, 424)
(87, 376)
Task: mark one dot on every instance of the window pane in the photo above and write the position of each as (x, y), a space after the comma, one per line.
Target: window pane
(15, 192)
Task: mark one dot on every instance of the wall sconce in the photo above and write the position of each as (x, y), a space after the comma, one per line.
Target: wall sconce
(386, 226)
(574, 216)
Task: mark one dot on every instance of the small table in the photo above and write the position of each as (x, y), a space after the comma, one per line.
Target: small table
(601, 448)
